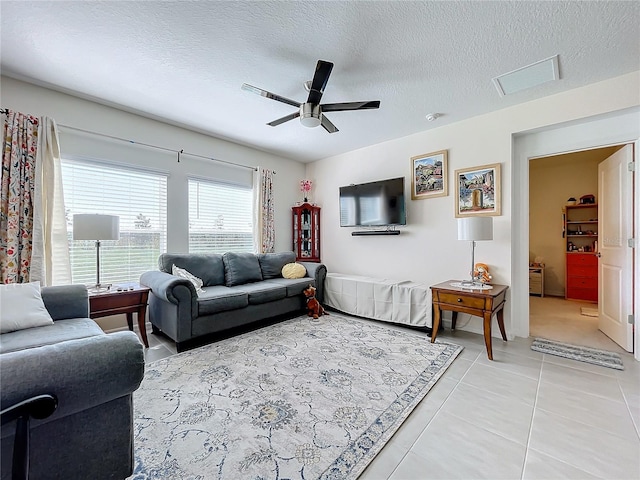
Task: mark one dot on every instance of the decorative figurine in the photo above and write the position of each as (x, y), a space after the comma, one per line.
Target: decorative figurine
(481, 273)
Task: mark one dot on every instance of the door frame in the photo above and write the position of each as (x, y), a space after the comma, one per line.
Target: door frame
(615, 128)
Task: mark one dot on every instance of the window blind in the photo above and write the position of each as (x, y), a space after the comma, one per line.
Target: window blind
(220, 217)
(138, 197)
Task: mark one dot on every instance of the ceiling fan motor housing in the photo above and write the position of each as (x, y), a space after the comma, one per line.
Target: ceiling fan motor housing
(310, 115)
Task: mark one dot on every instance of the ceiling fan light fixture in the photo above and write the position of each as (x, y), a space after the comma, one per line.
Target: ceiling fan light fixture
(310, 115)
(310, 112)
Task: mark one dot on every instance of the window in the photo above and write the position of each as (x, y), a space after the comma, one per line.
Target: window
(138, 197)
(220, 217)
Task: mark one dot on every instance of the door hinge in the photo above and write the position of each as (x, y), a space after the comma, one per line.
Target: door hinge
(631, 166)
(631, 243)
(631, 320)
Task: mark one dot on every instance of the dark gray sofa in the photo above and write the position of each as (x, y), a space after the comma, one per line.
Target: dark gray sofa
(238, 289)
(93, 376)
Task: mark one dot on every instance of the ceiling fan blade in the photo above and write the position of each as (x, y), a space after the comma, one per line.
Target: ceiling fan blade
(328, 126)
(320, 79)
(272, 96)
(277, 122)
(339, 107)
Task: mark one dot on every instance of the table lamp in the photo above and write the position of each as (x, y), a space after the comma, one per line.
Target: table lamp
(474, 229)
(96, 227)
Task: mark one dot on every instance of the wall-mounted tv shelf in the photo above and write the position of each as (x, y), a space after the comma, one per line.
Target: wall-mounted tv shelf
(359, 233)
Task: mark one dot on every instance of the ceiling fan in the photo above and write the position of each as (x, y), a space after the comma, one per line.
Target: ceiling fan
(311, 113)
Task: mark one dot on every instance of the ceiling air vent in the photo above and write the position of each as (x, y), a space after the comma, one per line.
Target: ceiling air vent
(526, 77)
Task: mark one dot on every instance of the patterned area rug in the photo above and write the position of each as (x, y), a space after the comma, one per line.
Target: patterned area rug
(300, 399)
(575, 352)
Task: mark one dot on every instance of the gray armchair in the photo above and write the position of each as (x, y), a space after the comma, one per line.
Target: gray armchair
(93, 376)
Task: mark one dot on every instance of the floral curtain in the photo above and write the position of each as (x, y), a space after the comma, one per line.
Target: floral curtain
(264, 231)
(17, 188)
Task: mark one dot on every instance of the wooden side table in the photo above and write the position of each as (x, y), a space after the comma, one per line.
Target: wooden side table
(480, 303)
(132, 299)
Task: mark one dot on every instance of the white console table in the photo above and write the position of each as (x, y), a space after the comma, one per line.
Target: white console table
(403, 302)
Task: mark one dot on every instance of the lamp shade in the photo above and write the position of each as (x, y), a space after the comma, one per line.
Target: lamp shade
(475, 228)
(96, 227)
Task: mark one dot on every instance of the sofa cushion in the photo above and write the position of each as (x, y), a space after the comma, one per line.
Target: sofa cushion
(220, 299)
(21, 307)
(208, 267)
(263, 292)
(60, 331)
(241, 268)
(271, 263)
(294, 286)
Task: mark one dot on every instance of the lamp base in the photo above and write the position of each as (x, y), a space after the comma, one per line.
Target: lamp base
(99, 287)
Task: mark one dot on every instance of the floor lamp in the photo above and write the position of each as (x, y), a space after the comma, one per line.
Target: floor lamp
(96, 227)
(474, 229)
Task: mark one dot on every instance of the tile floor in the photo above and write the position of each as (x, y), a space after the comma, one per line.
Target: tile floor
(559, 319)
(526, 415)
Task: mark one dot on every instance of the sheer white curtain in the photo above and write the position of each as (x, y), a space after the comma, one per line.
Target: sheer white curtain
(264, 231)
(50, 258)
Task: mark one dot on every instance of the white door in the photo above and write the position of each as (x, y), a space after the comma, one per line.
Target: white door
(615, 265)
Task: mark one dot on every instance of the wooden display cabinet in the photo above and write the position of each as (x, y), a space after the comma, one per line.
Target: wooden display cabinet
(306, 232)
(581, 229)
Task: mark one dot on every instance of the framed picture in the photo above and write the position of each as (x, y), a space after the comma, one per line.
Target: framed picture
(478, 191)
(429, 175)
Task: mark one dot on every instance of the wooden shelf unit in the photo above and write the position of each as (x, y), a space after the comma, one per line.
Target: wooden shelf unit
(581, 237)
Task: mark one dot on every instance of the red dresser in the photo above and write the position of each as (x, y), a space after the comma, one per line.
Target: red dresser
(582, 277)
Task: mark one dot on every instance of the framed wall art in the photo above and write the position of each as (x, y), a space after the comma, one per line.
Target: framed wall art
(429, 175)
(478, 191)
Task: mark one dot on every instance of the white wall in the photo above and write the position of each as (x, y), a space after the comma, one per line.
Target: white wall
(428, 250)
(87, 115)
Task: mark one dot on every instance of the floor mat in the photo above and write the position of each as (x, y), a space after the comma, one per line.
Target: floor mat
(576, 352)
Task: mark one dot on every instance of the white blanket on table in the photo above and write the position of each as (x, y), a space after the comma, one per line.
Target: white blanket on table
(394, 301)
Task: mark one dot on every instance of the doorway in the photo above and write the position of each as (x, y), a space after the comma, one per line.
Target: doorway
(613, 128)
(554, 182)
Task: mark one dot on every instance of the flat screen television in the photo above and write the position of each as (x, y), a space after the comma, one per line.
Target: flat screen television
(373, 204)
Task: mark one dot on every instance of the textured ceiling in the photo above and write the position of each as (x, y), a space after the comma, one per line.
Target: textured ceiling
(185, 62)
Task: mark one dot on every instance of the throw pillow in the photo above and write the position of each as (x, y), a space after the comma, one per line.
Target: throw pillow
(21, 307)
(241, 268)
(271, 263)
(182, 273)
(294, 270)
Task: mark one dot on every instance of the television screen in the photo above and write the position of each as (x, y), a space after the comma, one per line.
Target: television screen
(373, 204)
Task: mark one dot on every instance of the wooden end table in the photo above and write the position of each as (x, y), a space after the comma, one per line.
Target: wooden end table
(480, 303)
(132, 299)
